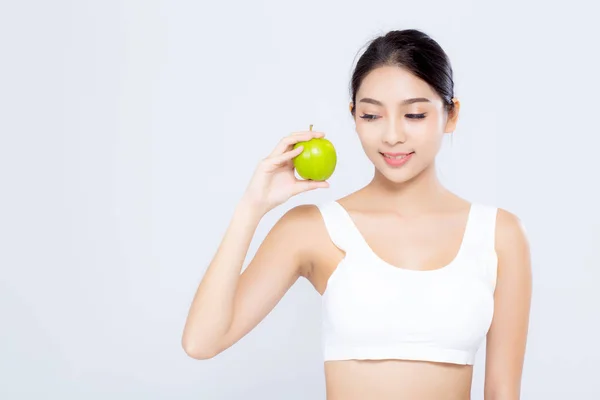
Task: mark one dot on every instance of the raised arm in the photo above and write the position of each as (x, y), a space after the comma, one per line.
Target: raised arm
(228, 303)
(506, 340)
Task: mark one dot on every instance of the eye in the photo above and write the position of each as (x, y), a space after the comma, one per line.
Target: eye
(368, 117)
(415, 116)
(371, 117)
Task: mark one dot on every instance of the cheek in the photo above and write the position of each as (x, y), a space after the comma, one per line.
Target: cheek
(425, 128)
(367, 139)
(429, 146)
(427, 134)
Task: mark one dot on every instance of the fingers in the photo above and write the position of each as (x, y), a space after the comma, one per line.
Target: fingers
(306, 185)
(292, 139)
(286, 156)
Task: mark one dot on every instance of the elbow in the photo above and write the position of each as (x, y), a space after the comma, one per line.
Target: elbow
(198, 351)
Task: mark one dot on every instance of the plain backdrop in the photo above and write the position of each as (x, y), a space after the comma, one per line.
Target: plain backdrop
(130, 129)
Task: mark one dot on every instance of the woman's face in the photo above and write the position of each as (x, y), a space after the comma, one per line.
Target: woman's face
(388, 121)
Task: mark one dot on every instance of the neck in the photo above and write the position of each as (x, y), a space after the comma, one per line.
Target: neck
(418, 195)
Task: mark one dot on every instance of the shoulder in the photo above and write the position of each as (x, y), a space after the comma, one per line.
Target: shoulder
(294, 225)
(305, 216)
(510, 230)
(309, 215)
(512, 242)
(302, 228)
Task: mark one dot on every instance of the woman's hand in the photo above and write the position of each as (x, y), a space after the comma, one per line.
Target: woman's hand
(274, 182)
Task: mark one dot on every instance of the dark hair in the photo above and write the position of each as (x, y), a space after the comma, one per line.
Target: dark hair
(412, 50)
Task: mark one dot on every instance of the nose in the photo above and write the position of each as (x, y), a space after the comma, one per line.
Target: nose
(394, 134)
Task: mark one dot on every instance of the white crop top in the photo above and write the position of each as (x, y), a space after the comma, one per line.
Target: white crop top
(374, 310)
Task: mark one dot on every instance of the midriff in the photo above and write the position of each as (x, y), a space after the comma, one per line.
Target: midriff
(397, 379)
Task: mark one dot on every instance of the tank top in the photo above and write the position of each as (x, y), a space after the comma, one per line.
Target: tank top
(375, 310)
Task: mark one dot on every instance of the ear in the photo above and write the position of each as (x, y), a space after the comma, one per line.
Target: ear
(351, 106)
(452, 117)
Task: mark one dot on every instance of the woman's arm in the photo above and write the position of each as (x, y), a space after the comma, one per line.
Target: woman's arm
(506, 340)
(228, 305)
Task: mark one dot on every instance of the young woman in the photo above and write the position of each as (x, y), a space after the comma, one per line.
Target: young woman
(413, 278)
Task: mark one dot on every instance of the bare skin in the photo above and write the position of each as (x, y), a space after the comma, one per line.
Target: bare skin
(408, 219)
(405, 241)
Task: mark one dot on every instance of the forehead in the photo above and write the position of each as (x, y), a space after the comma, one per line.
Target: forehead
(392, 84)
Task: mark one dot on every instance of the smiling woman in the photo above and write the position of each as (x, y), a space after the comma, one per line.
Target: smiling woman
(413, 278)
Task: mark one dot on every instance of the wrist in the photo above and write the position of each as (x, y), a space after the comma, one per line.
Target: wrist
(250, 209)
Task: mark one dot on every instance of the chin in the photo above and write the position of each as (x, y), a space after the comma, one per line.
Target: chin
(397, 177)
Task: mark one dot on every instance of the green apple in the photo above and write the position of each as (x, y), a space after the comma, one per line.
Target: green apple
(317, 160)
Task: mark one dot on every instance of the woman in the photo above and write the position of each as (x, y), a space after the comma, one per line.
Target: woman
(413, 278)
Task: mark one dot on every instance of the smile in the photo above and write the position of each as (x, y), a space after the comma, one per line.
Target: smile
(397, 159)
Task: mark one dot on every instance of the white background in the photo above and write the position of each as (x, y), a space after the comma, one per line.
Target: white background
(130, 129)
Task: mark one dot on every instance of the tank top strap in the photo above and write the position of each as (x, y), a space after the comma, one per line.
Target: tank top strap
(480, 250)
(339, 225)
(481, 233)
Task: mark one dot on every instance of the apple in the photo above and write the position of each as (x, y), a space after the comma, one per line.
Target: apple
(317, 160)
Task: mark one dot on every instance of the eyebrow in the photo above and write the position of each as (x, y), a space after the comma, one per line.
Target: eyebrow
(403, 102)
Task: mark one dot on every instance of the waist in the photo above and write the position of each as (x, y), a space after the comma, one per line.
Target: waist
(397, 379)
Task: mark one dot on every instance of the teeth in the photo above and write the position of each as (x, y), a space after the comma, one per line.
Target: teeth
(394, 157)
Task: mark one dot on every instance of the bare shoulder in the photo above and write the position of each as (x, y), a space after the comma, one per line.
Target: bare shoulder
(303, 215)
(303, 229)
(510, 230)
(512, 242)
(299, 222)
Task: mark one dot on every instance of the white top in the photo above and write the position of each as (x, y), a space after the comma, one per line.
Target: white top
(374, 310)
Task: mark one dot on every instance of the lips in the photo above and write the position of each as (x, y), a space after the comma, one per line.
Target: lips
(396, 155)
(397, 159)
